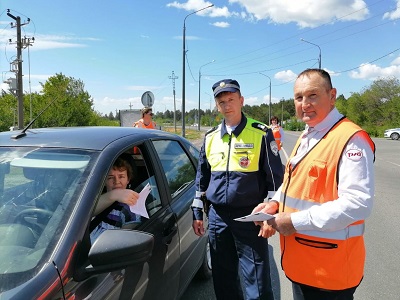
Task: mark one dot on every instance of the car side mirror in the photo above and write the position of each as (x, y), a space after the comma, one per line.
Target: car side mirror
(118, 249)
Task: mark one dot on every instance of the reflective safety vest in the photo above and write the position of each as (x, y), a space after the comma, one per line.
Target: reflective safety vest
(326, 260)
(141, 124)
(277, 135)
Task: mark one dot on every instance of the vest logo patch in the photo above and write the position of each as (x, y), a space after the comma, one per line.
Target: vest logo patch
(274, 148)
(354, 154)
(244, 146)
(244, 162)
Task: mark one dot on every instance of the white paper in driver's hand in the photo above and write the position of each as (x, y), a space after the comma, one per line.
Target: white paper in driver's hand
(140, 207)
(258, 216)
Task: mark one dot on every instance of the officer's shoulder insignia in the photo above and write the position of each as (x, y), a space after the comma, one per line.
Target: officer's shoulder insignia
(274, 148)
(260, 126)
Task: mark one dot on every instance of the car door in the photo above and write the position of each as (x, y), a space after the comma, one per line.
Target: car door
(180, 172)
(160, 275)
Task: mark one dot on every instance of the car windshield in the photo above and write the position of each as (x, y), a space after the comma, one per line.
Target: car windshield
(37, 190)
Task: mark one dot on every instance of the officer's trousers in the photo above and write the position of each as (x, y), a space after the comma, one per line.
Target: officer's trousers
(236, 246)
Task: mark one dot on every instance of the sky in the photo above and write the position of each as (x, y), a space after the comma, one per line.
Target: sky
(122, 49)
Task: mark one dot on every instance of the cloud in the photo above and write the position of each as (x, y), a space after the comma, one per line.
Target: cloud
(372, 72)
(303, 13)
(395, 14)
(331, 73)
(285, 76)
(143, 88)
(252, 101)
(106, 105)
(221, 24)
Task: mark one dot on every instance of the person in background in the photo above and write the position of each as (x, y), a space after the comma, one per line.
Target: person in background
(112, 210)
(326, 195)
(239, 166)
(277, 130)
(147, 119)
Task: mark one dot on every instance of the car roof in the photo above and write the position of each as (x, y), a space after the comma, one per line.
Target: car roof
(93, 138)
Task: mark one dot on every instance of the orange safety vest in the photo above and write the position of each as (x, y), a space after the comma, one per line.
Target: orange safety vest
(326, 260)
(141, 124)
(277, 135)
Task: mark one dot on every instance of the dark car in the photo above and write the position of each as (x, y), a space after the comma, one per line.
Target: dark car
(50, 182)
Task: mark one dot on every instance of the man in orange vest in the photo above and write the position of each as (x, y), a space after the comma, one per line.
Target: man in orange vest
(326, 195)
(147, 119)
(277, 131)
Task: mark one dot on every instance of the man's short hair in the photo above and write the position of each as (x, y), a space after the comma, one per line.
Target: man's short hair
(324, 74)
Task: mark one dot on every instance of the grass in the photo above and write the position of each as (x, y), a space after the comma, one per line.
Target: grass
(190, 134)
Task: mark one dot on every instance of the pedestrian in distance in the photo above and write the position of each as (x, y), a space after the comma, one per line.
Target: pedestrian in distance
(277, 130)
(147, 119)
(325, 198)
(239, 166)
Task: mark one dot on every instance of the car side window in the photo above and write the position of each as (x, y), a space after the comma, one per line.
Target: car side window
(143, 176)
(177, 166)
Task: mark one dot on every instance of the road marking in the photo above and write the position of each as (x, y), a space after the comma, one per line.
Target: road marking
(393, 163)
(284, 152)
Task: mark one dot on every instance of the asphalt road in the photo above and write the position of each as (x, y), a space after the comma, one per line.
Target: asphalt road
(382, 238)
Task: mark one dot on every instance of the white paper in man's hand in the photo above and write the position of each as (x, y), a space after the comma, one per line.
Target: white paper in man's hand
(258, 216)
(140, 207)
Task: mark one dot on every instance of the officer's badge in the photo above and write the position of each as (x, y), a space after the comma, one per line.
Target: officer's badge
(222, 84)
(274, 148)
(244, 162)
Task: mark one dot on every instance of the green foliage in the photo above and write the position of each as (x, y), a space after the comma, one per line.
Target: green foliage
(8, 112)
(294, 125)
(376, 108)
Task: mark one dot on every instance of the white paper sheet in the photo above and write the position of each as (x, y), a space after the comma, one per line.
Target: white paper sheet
(258, 216)
(140, 207)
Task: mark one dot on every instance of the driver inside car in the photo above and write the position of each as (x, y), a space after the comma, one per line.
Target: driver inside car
(112, 210)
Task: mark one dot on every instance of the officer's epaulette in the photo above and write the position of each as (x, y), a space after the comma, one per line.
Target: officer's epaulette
(211, 130)
(260, 126)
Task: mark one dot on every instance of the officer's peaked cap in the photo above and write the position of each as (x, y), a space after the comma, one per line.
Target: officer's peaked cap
(225, 85)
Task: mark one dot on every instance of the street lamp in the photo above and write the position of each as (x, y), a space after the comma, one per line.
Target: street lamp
(283, 100)
(269, 119)
(183, 67)
(210, 106)
(198, 119)
(319, 59)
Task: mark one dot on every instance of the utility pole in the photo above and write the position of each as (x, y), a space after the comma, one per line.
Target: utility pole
(18, 62)
(173, 77)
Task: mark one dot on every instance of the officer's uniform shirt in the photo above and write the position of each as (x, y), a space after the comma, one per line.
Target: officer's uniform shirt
(271, 165)
(355, 187)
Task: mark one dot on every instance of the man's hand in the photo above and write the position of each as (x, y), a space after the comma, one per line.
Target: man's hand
(266, 207)
(266, 230)
(282, 223)
(198, 227)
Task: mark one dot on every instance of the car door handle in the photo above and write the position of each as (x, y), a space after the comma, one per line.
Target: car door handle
(169, 231)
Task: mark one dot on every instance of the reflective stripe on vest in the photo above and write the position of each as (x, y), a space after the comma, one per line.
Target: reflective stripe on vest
(326, 260)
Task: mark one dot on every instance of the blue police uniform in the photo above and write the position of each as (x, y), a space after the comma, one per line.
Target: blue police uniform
(236, 172)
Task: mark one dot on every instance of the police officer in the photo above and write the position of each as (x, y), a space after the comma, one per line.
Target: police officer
(239, 167)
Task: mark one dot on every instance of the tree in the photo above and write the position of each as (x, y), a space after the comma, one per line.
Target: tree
(8, 112)
(68, 103)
